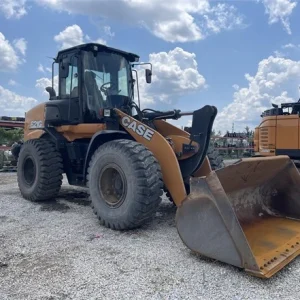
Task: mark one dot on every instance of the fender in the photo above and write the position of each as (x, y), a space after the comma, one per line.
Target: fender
(98, 139)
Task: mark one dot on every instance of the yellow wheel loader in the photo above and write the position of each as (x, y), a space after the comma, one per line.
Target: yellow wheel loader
(94, 132)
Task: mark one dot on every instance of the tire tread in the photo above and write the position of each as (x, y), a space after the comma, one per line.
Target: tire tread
(149, 183)
(51, 169)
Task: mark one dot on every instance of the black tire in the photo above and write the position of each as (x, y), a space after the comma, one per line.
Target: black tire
(39, 170)
(141, 178)
(168, 194)
(215, 159)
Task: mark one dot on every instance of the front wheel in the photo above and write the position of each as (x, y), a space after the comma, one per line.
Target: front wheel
(125, 184)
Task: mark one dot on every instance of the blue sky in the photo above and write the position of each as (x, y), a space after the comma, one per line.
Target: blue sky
(201, 51)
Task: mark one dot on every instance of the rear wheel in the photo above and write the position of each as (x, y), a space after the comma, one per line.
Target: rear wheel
(125, 184)
(39, 170)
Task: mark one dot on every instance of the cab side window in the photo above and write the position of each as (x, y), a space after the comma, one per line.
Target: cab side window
(69, 84)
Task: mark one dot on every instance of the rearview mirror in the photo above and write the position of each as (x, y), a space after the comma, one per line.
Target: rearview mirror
(148, 75)
(51, 91)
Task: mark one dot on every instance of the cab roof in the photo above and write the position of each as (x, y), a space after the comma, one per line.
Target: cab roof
(91, 46)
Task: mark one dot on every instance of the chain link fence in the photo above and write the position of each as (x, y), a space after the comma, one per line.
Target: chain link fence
(233, 147)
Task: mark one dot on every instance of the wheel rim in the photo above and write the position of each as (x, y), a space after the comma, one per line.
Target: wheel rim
(113, 185)
(29, 171)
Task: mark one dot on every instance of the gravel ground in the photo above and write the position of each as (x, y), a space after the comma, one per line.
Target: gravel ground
(57, 250)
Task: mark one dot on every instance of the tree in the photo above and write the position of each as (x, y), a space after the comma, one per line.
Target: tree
(247, 130)
(251, 134)
(8, 137)
(213, 133)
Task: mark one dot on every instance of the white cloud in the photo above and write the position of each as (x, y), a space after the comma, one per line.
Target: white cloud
(175, 73)
(279, 53)
(276, 81)
(182, 21)
(21, 45)
(222, 17)
(290, 46)
(72, 36)
(41, 68)
(288, 50)
(12, 104)
(12, 82)
(99, 41)
(280, 10)
(9, 59)
(13, 8)
(189, 123)
(108, 32)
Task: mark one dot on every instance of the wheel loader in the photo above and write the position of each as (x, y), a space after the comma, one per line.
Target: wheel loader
(95, 133)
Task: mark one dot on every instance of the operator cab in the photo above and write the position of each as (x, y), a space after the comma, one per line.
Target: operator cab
(292, 108)
(92, 78)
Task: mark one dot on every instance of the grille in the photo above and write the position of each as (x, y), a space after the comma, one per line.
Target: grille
(264, 138)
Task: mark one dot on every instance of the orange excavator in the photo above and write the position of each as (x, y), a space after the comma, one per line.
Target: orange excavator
(278, 132)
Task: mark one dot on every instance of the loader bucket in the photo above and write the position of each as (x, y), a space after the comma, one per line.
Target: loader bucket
(246, 215)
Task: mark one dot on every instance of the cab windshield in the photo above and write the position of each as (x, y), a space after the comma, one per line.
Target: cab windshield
(106, 77)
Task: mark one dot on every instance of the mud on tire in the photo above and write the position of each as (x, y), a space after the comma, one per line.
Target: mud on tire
(39, 170)
(125, 184)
